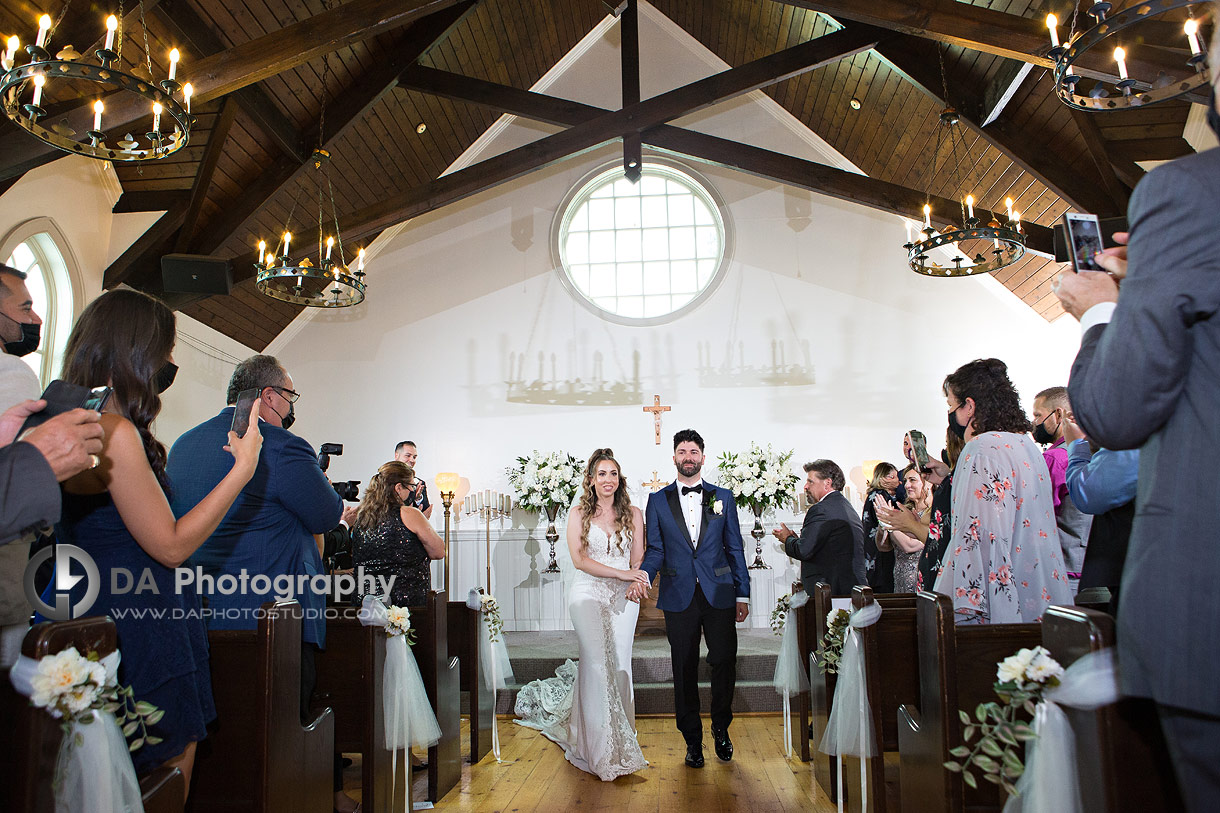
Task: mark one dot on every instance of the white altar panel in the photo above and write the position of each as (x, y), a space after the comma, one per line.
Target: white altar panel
(533, 600)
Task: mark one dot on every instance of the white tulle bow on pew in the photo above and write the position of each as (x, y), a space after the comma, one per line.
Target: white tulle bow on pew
(1050, 783)
(849, 731)
(93, 772)
(409, 719)
(790, 677)
(496, 670)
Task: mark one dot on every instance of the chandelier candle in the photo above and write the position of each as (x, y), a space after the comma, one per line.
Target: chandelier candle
(39, 81)
(262, 251)
(13, 42)
(157, 117)
(187, 90)
(1192, 34)
(1052, 23)
(927, 217)
(112, 24)
(970, 206)
(1120, 56)
(44, 27)
(173, 64)
(98, 107)
(330, 243)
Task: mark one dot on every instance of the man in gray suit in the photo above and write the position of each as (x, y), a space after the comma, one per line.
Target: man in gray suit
(1148, 377)
(831, 542)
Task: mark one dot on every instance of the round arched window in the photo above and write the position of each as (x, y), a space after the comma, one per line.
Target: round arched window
(640, 253)
(40, 259)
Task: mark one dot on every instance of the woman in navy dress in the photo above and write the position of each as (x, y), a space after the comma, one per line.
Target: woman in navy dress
(118, 512)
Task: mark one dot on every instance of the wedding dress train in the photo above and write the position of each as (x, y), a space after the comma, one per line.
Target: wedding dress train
(588, 708)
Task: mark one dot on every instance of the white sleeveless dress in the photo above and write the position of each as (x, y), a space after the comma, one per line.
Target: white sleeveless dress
(589, 708)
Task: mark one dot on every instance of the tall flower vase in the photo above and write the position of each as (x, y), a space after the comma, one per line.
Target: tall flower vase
(758, 533)
(552, 536)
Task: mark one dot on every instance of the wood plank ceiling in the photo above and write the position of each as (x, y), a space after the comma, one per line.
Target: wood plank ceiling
(246, 167)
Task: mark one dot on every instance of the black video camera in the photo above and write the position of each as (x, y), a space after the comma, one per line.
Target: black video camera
(347, 489)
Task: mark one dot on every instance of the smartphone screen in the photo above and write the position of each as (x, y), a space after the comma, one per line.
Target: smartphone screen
(241, 411)
(98, 396)
(1084, 240)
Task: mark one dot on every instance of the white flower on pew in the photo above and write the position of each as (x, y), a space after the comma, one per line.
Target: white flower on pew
(779, 616)
(830, 649)
(1044, 667)
(398, 622)
(491, 610)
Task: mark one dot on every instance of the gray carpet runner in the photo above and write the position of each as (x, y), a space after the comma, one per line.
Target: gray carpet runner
(536, 655)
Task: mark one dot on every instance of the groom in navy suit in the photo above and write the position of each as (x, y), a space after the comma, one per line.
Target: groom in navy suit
(694, 541)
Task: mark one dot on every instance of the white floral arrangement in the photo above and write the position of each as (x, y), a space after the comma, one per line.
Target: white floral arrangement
(71, 686)
(398, 622)
(830, 649)
(542, 480)
(491, 609)
(1021, 680)
(779, 616)
(759, 478)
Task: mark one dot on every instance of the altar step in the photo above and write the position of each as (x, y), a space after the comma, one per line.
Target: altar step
(536, 655)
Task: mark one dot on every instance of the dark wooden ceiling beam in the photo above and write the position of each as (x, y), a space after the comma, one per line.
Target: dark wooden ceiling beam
(797, 172)
(348, 109)
(1003, 85)
(147, 249)
(629, 52)
(916, 61)
(203, 177)
(191, 31)
(236, 68)
(1087, 125)
(1149, 149)
(993, 32)
(150, 201)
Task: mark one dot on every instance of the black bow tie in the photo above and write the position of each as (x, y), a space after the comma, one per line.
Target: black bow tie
(688, 489)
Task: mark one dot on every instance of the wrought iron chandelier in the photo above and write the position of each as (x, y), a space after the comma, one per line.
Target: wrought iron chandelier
(328, 282)
(43, 75)
(993, 243)
(1107, 31)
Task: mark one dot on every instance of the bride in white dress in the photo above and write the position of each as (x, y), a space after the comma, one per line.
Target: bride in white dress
(589, 708)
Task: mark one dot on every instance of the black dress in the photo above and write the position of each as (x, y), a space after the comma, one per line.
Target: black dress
(387, 549)
(878, 564)
(940, 528)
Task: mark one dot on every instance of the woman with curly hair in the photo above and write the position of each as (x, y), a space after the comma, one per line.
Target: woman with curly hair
(589, 709)
(1002, 563)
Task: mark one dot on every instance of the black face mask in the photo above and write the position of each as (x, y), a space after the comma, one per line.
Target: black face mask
(955, 427)
(164, 378)
(1041, 435)
(289, 419)
(31, 335)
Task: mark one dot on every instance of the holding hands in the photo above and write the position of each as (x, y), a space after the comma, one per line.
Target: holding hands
(639, 584)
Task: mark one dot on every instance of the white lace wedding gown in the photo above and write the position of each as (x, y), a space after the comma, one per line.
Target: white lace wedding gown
(589, 708)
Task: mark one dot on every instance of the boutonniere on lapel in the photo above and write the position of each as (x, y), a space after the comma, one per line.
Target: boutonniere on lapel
(710, 502)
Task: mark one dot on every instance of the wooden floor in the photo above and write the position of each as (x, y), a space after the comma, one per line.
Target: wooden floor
(536, 777)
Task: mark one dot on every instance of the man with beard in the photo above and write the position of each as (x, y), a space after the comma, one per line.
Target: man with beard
(695, 542)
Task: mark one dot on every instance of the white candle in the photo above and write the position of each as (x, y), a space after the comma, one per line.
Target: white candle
(1016, 218)
(508, 504)
(1120, 57)
(13, 42)
(1008, 206)
(39, 81)
(287, 240)
(156, 117)
(173, 63)
(98, 107)
(44, 27)
(927, 216)
(1052, 23)
(187, 90)
(480, 502)
(970, 206)
(330, 243)
(262, 251)
(1192, 34)
(112, 25)
(360, 260)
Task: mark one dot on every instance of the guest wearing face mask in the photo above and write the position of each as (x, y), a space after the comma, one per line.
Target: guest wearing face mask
(879, 561)
(1002, 564)
(118, 512)
(391, 537)
(1051, 408)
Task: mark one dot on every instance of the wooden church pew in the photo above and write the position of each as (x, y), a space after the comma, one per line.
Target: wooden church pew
(957, 667)
(806, 645)
(812, 628)
(349, 682)
(463, 633)
(1121, 756)
(32, 737)
(441, 677)
(260, 758)
(891, 663)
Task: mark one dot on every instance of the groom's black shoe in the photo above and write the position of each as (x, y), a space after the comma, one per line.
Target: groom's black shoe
(694, 754)
(724, 746)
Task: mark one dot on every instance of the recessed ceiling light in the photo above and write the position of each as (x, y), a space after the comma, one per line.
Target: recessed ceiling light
(419, 128)
(855, 103)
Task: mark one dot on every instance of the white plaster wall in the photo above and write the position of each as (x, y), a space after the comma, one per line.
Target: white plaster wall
(457, 298)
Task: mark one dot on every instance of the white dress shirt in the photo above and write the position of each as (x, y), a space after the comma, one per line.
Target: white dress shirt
(1099, 314)
(692, 510)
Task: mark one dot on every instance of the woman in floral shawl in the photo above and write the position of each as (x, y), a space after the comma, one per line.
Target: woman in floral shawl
(1002, 564)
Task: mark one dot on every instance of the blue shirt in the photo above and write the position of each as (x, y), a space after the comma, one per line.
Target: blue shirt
(1103, 481)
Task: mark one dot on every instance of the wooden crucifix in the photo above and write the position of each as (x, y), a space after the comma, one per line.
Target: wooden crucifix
(656, 409)
(655, 483)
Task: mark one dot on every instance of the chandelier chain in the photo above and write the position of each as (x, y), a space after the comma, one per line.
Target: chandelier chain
(147, 48)
(121, 32)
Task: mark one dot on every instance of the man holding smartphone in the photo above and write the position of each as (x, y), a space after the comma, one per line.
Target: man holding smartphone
(406, 452)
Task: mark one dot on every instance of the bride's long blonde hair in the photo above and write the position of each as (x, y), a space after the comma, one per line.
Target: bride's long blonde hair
(588, 501)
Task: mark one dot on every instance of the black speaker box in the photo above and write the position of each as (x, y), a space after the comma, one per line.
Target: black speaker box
(195, 274)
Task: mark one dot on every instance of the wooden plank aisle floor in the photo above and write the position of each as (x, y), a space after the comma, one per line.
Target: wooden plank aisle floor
(536, 777)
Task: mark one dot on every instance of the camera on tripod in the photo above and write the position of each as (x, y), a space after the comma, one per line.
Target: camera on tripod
(347, 489)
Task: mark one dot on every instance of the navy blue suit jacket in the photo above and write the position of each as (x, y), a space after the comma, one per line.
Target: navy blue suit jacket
(269, 529)
(717, 562)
